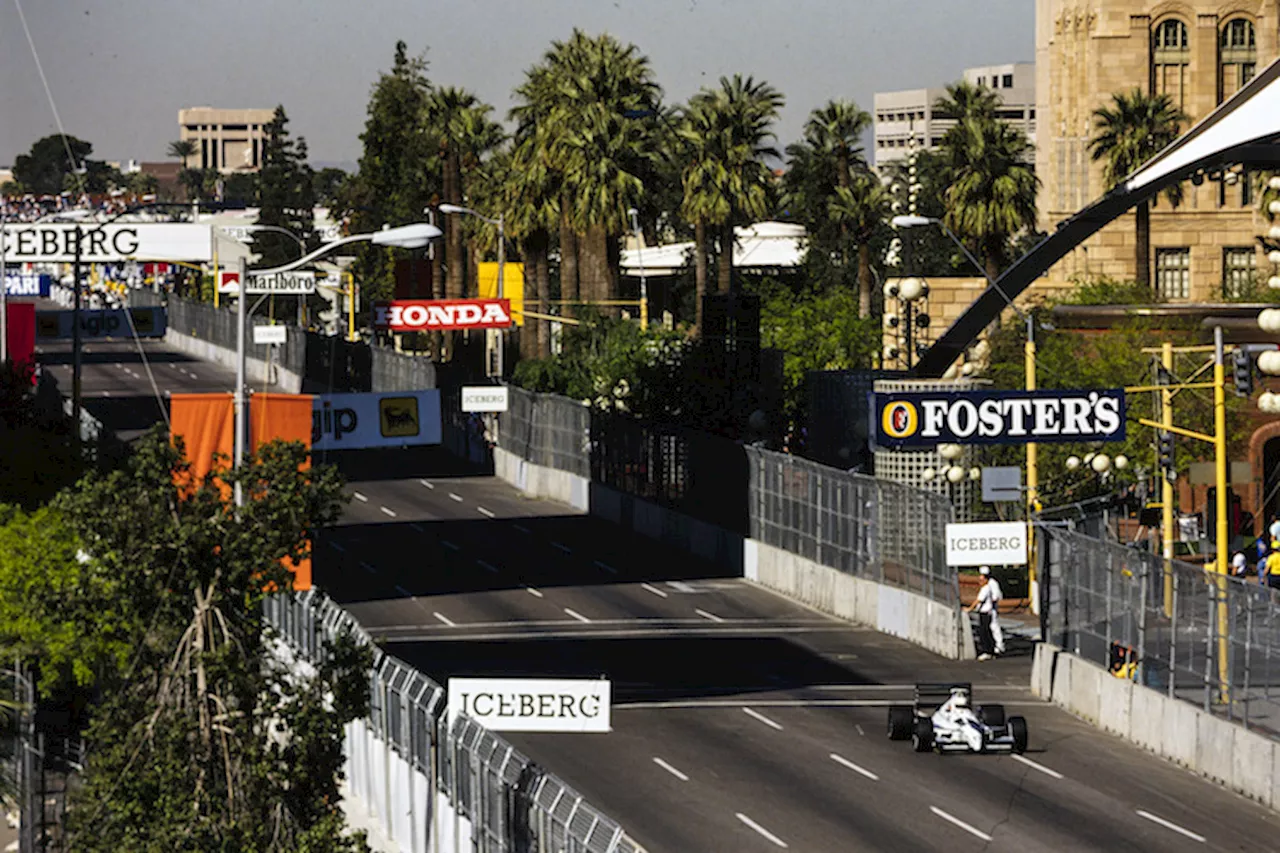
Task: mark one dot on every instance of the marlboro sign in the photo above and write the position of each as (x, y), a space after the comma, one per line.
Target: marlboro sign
(434, 315)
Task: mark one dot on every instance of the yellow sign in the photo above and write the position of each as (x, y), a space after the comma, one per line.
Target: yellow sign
(512, 286)
(398, 416)
(899, 419)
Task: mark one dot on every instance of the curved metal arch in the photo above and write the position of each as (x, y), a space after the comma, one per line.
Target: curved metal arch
(1243, 130)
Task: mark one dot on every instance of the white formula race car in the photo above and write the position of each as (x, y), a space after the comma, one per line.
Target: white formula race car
(944, 718)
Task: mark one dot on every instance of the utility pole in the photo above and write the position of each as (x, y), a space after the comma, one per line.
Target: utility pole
(1166, 477)
(242, 314)
(1222, 534)
(75, 335)
(1033, 475)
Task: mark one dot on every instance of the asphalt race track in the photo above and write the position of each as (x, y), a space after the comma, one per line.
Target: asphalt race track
(742, 721)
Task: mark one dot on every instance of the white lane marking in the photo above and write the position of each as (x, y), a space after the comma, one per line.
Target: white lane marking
(533, 592)
(841, 760)
(576, 615)
(1168, 825)
(445, 619)
(673, 771)
(360, 497)
(521, 528)
(654, 590)
(428, 484)
(446, 543)
(368, 568)
(1034, 765)
(608, 568)
(456, 497)
(417, 528)
(564, 548)
(337, 547)
(958, 822)
(705, 615)
(403, 591)
(760, 829)
(484, 511)
(680, 586)
(488, 567)
(762, 718)
(386, 511)
(860, 731)
(118, 364)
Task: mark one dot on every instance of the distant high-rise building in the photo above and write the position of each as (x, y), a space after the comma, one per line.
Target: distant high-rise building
(908, 118)
(226, 140)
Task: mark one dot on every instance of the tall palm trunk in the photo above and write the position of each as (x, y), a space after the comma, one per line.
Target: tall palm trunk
(538, 330)
(724, 272)
(456, 250)
(864, 280)
(570, 290)
(699, 270)
(1142, 248)
(595, 264)
(993, 266)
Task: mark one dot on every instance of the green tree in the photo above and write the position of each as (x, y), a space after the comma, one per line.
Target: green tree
(1127, 133)
(182, 149)
(47, 166)
(286, 197)
(328, 184)
(861, 209)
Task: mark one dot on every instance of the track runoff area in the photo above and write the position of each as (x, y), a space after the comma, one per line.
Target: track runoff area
(740, 720)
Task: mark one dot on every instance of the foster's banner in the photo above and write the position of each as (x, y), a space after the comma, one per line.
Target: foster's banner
(377, 419)
(996, 417)
(434, 315)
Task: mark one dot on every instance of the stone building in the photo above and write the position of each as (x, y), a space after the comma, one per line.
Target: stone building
(226, 140)
(1197, 52)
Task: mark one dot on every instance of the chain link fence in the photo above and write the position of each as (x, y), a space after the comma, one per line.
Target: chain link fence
(548, 430)
(874, 529)
(509, 803)
(1198, 636)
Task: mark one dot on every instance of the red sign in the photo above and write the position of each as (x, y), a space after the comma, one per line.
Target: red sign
(21, 336)
(433, 315)
(229, 281)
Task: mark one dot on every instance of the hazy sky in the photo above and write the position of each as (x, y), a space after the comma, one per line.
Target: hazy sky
(120, 70)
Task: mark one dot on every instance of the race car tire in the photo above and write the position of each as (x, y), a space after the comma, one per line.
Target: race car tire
(900, 719)
(992, 715)
(1018, 731)
(922, 735)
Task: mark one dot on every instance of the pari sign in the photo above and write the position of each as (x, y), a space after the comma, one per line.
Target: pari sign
(533, 704)
(996, 417)
(27, 284)
(434, 315)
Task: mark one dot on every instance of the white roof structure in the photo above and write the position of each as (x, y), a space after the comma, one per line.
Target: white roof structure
(764, 245)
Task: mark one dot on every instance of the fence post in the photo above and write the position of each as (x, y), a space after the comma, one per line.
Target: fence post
(1248, 655)
(1141, 669)
(1210, 635)
(1173, 632)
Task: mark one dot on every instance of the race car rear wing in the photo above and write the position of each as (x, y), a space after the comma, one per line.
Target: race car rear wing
(932, 695)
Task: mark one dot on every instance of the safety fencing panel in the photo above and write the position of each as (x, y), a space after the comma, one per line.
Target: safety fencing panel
(548, 430)
(1196, 635)
(423, 782)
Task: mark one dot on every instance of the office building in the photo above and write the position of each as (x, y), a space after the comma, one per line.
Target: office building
(226, 140)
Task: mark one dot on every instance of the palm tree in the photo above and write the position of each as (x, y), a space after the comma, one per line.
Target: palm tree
(701, 178)
(182, 149)
(836, 130)
(1127, 134)
(861, 209)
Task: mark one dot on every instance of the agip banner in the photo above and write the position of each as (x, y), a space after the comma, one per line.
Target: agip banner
(363, 420)
(996, 417)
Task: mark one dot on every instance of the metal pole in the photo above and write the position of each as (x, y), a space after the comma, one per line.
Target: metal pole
(4, 297)
(502, 333)
(1221, 534)
(75, 335)
(351, 306)
(242, 314)
(1166, 481)
(1033, 476)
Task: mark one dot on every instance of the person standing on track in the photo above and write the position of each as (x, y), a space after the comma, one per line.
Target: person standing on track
(990, 637)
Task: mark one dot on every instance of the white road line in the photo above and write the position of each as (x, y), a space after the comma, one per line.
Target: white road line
(680, 586)
(653, 589)
(118, 364)
(608, 568)
(841, 760)
(360, 497)
(762, 718)
(456, 497)
(562, 547)
(368, 568)
(1032, 764)
(667, 767)
(428, 484)
(403, 591)
(760, 829)
(958, 822)
(445, 619)
(705, 615)
(446, 543)
(484, 511)
(533, 592)
(576, 615)
(860, 731)
(1167, 825)
(521, 528)
(417, 528)
(488, 567)
(386, 511)
(337, 547)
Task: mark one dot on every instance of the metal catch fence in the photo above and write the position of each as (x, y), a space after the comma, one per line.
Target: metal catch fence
(885, 532)
(511, 805)
(548, 430)
(1205, 638)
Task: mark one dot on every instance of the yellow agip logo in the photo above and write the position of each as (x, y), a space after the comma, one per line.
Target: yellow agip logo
(899, 419)
(398, 417)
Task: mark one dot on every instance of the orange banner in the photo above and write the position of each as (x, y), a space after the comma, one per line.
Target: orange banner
(286, 417)
(206, 425)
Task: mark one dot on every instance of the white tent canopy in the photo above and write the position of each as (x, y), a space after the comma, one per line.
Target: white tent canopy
(764, 245)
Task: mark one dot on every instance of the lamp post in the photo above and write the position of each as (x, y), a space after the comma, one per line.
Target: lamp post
(225, 231)
(644, 289)
(459, 209)
(4, 294)
(413, 236)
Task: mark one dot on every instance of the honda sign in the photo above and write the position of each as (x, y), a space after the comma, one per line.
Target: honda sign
(432, 315)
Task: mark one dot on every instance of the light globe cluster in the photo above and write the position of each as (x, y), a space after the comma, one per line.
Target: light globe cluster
(1101, 463)
(951, 473)
(1269, 361)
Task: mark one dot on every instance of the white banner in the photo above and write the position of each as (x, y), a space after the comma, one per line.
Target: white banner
(533, 704)
(484, 398)
(987, 543)
(377, 419)
(270, 335)
(55, 242)
(291, 283)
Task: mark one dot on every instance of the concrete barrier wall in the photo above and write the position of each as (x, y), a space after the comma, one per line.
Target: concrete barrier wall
(1223, 751)
(255, 369)
(940, 628)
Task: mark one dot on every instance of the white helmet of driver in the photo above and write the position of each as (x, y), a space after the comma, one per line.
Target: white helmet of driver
(961, 699)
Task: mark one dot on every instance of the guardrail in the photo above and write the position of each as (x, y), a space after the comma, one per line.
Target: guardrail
(422, 782)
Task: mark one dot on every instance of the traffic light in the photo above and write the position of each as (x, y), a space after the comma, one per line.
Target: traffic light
(1235, 512)
(1165, 451)
(1242, 368)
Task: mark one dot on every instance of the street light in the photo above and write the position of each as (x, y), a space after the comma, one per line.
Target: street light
(459, 209)
(644, 290)
(413, 236)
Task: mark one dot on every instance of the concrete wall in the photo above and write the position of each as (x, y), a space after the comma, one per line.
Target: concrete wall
(940, 628)
(1225, 752)
(255, 369)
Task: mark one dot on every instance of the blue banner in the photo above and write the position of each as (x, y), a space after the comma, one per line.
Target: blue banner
(27, 284)
(996, 417)
(114, 323)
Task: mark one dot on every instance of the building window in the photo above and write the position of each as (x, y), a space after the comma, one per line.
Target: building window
(1173, 273)
(1170, 58)
(1239, 270)
(1237, 56)
(1008, 81)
